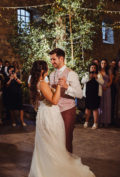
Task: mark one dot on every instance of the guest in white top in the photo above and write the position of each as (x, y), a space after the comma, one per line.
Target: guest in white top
(5, 69)
(86, 78)
(92, 91)
(29, 78)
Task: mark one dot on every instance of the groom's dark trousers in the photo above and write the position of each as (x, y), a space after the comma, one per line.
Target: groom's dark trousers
(69, 120)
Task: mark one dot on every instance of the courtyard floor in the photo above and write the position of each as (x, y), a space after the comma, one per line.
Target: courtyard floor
(99, 149)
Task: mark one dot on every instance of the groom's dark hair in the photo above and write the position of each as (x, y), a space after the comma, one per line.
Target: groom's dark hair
(59, 52)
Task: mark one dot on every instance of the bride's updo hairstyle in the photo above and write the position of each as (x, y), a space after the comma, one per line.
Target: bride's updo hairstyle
(39, 68)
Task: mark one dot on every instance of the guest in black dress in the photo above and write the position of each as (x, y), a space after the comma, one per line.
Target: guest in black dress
(13, 95)
(92, 99)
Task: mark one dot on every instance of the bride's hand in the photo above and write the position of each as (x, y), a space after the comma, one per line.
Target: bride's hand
(48, 94)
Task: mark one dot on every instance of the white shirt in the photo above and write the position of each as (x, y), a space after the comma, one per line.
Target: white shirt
(5, 69)
(74, 86)
(99, 79)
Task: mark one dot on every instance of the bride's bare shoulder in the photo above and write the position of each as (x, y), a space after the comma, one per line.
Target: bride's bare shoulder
(42, 85)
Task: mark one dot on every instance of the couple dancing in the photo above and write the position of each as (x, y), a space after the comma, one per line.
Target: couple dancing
(52, 156)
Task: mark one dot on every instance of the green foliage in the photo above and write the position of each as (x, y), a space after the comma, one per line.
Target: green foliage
(54, 31)
(80, 66)
(31, 47)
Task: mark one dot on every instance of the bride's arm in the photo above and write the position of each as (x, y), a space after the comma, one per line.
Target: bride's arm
(48, 94)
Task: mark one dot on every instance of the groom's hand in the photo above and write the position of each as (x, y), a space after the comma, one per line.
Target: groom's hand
(62, 82)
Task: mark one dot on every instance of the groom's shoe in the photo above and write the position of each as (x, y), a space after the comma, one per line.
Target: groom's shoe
(85, 125)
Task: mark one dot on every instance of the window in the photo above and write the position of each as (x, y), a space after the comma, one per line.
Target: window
(23, 18)
(107, 34)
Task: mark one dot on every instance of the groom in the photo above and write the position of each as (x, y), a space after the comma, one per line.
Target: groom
(70, 88)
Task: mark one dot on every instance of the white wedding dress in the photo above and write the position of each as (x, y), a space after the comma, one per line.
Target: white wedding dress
(50, 157)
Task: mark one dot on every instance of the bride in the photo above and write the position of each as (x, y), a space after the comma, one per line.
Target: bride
(50, 157)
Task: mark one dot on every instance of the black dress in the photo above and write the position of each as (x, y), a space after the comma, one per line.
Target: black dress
(13, 95)
(92, 100)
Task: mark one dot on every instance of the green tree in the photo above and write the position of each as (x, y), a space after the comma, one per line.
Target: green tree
(66, 25)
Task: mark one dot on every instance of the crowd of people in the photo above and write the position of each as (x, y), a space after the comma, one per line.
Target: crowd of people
(101, 90)
(102, 93)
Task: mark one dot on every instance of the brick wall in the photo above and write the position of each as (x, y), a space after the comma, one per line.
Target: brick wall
(99, 51)
(6, 51)
(6, 27)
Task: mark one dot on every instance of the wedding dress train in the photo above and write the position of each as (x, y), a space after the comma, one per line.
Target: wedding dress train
(50, 157)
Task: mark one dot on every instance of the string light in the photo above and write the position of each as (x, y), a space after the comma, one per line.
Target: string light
(26, 7)
(43, 5)
(105, 11)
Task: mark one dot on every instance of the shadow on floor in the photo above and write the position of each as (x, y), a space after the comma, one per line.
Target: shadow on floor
(9, 153)
(13, 161)
(8, 129)
(103, 167)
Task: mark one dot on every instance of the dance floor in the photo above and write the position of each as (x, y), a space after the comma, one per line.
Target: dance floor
(100, 149)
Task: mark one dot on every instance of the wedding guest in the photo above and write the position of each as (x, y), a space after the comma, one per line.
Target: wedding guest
(1, 66)
(105, 105)
(13, 95)
(113, 66)
(1, 89)
(96, 61)
(5, 69)
(17, 69)
(1, 100)
(92, 93)
(117, 98)
(29, 80)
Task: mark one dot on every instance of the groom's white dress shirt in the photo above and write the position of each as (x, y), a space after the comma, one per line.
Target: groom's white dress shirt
(74, 88)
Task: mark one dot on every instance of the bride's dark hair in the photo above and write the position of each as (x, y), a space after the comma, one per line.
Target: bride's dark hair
(39, 67)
